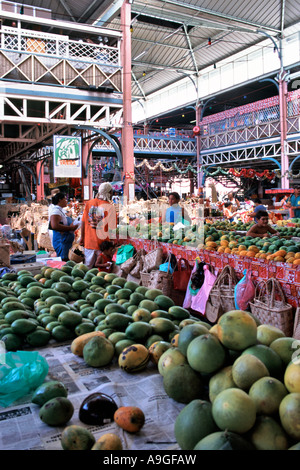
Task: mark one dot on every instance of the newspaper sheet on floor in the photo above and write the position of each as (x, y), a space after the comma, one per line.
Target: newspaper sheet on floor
(22, 429)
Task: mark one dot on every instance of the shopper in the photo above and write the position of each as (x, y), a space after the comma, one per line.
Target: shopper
(62, 227)
(99, 222)
(227, 211)
(175, 213)
(234, 201)
(258, 207)
(104, 260)
(262, 228)
(294, 204)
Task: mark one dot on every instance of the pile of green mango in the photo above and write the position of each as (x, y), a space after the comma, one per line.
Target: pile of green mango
(62, 304)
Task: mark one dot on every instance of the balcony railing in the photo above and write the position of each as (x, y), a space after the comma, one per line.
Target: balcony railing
(20, 41)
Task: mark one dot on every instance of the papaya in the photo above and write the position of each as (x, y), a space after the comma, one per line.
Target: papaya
(169, 359)
(76, 437)
(57, 309)
(134, 358)
(151, 294)
(129, 418)
(247, 369)
(164, 302)
(23, 326)
(56, 411)
(221, 440)
(266, 334)
(178, 313)
(237, 330)
(289, 414)
(182, 383)
(162, 326)
(205, 354)
(148, 305)
(268, 434)
(48, 390)
(188, 333)
(98, 351)
(157, 348)
(62, 333)
(55, 299)
(11, 341)
(69, 319)
(138, 331)
(284, 348)
(108, 441)
(117, 321)
(122, 344)
(38, 338)
(131, 285)
(219, 381)
(269, 357)
(141, 314)
(193, 423)
(114, 307)
(234, 410)
(267, 394)
(78, 344)
(84, 327)
(34, 292)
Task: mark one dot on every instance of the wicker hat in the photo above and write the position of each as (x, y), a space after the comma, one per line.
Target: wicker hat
(105, 192)
(53, 192)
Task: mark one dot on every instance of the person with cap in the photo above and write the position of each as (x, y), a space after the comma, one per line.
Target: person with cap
(99, 221)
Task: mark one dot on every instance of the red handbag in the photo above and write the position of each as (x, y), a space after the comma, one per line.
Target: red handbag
(182, 276)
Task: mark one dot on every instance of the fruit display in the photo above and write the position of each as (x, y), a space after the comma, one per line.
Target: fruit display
(250, 399)
(275, 248)
(237, 379)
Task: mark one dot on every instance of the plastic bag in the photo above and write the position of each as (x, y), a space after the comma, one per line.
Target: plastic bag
(244, 291)
(190, 292)
(124, 253)
(199, 301)
(20, 373)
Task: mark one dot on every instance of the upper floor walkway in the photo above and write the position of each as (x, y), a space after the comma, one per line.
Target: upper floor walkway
(247, 132)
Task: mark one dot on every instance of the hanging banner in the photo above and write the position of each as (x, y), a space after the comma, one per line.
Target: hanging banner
(67, 156)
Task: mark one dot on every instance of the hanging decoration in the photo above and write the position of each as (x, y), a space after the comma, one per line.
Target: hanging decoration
(250, 173)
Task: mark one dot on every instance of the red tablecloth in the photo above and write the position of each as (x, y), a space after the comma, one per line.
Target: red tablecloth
(262, 269)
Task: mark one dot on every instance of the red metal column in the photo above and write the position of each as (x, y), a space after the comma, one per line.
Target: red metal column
(40, 187)
(283, 131)
(127, 131)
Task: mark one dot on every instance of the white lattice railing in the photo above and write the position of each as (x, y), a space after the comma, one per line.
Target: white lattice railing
(35, 42)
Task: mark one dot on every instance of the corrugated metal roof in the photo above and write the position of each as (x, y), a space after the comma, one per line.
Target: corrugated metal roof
(172, 35)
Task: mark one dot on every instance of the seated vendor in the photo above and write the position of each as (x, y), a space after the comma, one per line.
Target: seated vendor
(105, 258)
(262, 228)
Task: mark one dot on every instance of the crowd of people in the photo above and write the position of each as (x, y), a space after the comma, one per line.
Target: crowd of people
(99, 221)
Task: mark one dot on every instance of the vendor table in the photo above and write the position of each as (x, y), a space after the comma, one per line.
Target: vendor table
(262, 269)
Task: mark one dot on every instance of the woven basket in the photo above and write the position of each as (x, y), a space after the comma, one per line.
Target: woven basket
(221, 297)
(145, 278)
(74, 256)
(296, 333)
(162, 281)
(270, 310)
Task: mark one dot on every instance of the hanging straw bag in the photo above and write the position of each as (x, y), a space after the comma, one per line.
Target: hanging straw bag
(76, 253)
(161, 280)
(221, 298)
(153, 259)
(296, 332)
(270, 307)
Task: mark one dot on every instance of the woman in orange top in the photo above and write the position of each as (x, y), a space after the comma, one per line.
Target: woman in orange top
(99, 222)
